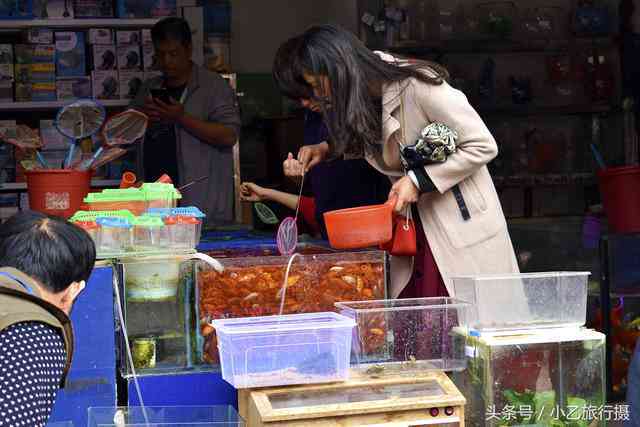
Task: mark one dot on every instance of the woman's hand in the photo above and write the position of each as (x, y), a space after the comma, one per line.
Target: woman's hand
(311, 155)
(250, 192)
(292, 167)
(406, 192)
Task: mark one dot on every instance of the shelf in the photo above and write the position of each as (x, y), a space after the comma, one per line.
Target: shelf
(22, 186)
(491, 46)
(52, 105)
(21, 24)
(545, 180)
(527, 110)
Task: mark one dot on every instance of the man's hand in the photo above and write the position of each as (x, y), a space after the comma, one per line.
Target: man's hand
(159, 111)
(311, 155)
(406, 192)
(250, 192)
(292, 167)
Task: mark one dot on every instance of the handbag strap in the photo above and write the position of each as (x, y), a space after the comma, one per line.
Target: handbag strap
(401, 143)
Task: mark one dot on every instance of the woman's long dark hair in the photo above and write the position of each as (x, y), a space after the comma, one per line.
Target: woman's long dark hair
(356, 76)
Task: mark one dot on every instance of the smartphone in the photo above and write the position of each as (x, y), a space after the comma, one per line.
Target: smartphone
(162, 95)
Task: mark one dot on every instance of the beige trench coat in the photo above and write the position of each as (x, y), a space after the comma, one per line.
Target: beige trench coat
(480, 245)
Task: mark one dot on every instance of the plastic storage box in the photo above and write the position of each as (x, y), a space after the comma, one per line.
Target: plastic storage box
(283, 350)
(148, 233)
(115, 235)
(524, 301)
(549, 377)
(406, 335)
(160, 195)
(117, 199)
(183, 416)
(183, 231)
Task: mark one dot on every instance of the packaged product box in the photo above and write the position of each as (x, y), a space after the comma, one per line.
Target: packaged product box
(52, 139)
(145, 8)
(53, 9)
(70, 54)
(40, 36)
(101, 36)
(146, 36)
(217, 54)
(148, 58)
(126, 37)
(43, 54)
(23, 91)
(104, 57)
(6, 63)
(93, 8)
(43, 91)
(23, 53)
(6, 91)
(70, 88)
(130, 83)
(129, 58)
(105, 84)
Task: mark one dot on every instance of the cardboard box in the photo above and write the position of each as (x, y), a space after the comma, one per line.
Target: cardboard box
(93, 8)
(146, 36)
(23, 54)
(43, 54)
(70, 54)
(195, 17)
(148, 58)
(148, 75)
(53, 9)
(127, 37)
(6, 69)
(146, 8)
(129, 58)
(52, 139)
(73, 88)
(101, 36)
(105, 84)
(41, 91)
(130, 83)
(217, 54)
(104, 57)
(40, 36)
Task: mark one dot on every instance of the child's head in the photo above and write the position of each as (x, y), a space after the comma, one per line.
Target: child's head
(52, 251)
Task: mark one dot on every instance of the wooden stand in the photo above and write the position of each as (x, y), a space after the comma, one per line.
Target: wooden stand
(398, 401)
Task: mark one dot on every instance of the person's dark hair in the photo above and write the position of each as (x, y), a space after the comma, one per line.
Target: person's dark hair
(172, 28)
(356, 76)
(288, 79)
(49, 249)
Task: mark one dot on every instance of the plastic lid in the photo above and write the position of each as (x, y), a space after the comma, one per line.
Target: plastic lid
(114, 222)
(181, 220)
(116, 195)
(87, 225)
(159, 212)
(147, 221)
(284, 323)
(188, 211)
(159, 191)
(92, 215)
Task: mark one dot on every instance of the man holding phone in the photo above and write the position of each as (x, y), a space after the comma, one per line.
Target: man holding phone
(194, 124)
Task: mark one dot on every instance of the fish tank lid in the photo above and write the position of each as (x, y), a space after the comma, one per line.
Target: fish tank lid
(402, 304)
(530, 336)
(283, 323)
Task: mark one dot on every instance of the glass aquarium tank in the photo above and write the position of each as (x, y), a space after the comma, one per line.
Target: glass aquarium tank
(546, 377)
(177, 416)
(159, 317)
(253, 286)
(406, 336)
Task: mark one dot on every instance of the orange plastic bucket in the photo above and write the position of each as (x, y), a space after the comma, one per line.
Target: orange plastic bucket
(57, 191)
(620, 191)
(361, 227)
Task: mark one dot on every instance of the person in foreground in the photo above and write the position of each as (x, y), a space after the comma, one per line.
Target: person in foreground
(374, 107)
(44, 265)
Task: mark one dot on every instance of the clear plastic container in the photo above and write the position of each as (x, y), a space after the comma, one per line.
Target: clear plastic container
(405, 335)
(281, 350)
(160, 195)
(183, 231)
(115, 235)
(148, 233)
(131, 199)
(92, 228)
(218, 416)
(524, 301)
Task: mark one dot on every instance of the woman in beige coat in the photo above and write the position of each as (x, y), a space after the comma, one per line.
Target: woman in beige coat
(370, 107)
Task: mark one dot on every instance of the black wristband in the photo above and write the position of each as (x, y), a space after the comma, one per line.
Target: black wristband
(424, 182)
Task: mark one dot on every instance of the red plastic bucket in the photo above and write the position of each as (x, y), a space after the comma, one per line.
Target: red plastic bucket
(57, 192)
(620, 191)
